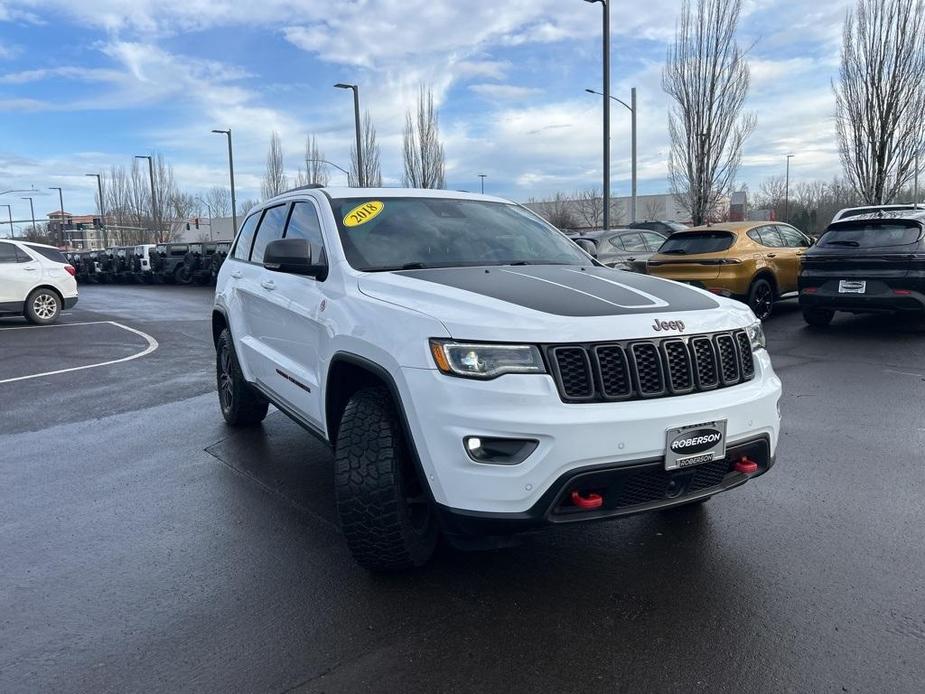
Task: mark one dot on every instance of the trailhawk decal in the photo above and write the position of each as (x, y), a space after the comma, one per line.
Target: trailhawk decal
(363, 213)
(567, 290)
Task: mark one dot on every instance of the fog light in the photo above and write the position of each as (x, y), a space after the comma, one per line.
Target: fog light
(495, 451)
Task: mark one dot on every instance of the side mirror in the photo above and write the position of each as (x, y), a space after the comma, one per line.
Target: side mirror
(295, 257)
(587, 246)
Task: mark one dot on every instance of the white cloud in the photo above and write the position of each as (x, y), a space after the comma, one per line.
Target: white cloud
(504, 91)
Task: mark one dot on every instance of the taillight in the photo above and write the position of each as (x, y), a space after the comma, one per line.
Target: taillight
(810, 290)
(70, 270)
(902, 292)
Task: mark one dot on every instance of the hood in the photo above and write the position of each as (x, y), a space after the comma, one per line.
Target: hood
(554, 303)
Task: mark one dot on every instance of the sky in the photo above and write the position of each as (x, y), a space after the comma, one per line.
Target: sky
(87, 84)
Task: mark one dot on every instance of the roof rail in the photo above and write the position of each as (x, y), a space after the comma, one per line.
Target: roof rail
(309, 186)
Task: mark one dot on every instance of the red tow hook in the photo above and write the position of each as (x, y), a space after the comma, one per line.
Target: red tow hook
(591, 501)
(746, 465)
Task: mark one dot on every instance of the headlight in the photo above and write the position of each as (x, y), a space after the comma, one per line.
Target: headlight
(756, 336)
(486, 361)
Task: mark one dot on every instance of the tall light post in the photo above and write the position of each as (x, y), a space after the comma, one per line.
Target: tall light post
(361, 178)
(99, 188)
(483, 177)
(787, 191)
(632, 109)
(605, 4)
(9, 211)
(60, 202)
(31, 212)
(234, 207)
(153, 194)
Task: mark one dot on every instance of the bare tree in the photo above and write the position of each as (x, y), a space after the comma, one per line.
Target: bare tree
(245, 206)
(316, 171)
(708, 78)
(372, 171)
(274, 179)
(880, 96)
(589, 207)
(559, 211)
(772, 195)
(654, 208)
(423, 154)
(219, 201)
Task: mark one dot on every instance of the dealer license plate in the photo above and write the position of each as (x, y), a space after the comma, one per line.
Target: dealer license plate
(695, 445)
(852, 287)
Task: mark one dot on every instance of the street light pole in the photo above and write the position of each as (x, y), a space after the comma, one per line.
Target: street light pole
(605, 4)
(331, 163)
(361, 177)
(787, 191)
(632, 110)
(99, 188)
(483, 177)
(234, 207)
(60, 202)
(154, 220)
(32, 213)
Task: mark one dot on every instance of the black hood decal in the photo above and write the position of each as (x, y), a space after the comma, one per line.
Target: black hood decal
(568, 290)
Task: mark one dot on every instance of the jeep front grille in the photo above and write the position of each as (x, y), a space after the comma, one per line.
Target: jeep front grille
(643, 369)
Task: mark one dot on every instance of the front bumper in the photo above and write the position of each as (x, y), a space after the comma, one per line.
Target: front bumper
(442, 411)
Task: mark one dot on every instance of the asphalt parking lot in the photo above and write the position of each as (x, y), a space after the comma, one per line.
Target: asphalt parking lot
(145, 547)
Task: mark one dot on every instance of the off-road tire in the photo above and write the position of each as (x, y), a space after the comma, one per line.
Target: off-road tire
(385, 513)
(43, 306)
(761, 298)
(818, 317)
(182, 275)
(241, 405)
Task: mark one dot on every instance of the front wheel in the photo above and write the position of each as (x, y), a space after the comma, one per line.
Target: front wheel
(241, 405)
(761, 298)
(818, 317)
(384, 510)
(43, 306)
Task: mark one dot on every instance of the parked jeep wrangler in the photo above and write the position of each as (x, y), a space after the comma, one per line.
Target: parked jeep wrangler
(477, 374)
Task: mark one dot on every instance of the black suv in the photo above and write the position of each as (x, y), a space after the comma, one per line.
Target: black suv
(869, 264)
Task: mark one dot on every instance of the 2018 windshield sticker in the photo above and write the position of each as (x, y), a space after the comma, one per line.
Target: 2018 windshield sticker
(363, 213)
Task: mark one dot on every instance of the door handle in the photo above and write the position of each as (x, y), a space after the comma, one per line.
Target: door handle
(29, 269)
(772, 255)
(268, 285)
(237, 275)
(631, 260)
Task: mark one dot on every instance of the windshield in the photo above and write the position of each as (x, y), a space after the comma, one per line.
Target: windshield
(696, 242)
(411, 233)
(871, 234)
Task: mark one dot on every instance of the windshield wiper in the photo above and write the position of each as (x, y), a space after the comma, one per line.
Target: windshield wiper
(853, 244)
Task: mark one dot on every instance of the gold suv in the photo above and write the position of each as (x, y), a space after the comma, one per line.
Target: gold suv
(755, 262)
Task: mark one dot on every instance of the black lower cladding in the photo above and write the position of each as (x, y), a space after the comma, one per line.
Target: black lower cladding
(625, 490)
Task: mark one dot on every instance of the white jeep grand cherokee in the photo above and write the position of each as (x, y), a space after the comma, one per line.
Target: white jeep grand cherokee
(477, 374)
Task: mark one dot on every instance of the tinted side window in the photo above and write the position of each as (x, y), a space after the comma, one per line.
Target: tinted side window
(7, 253)
(633, 243)
(270, 229)
(304, 224)
(23, 257)
(769, 237)
(617, 243)
(242, 249)
(792, 237)
(50, 253)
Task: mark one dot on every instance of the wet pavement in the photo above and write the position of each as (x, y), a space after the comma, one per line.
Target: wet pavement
(145, 547)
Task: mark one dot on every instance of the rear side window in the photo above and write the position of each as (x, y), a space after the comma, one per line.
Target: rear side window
(49, 253)
(697, 242)
(653, 240)
(242, 249)
(7, 253)
(871, 234)
(633, 243)
(270, 229)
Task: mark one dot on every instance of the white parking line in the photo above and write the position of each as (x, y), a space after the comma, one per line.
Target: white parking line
(152, 345)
